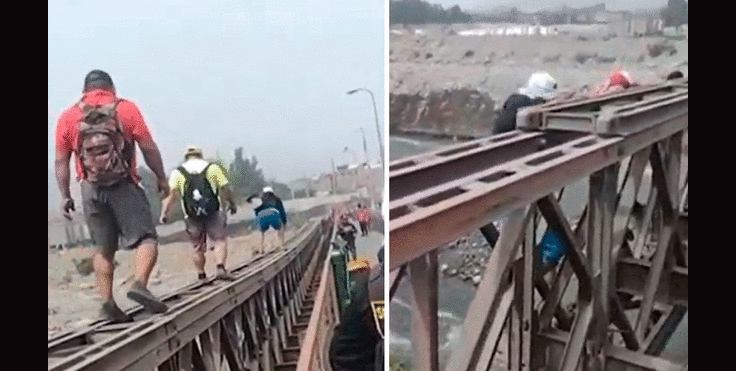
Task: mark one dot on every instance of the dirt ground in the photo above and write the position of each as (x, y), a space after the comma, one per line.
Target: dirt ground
(436, 57)
(73, 300)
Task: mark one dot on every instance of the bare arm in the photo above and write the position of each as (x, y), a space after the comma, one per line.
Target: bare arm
(152, 156)
(62, 178)
(62, 172)
(167, 204)
(227, 195)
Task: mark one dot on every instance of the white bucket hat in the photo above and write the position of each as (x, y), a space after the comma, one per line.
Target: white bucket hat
(540, 85)
(267, 190)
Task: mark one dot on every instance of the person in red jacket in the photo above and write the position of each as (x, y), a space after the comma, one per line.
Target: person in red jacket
(618, 80)
(102, 131)
(363, 214)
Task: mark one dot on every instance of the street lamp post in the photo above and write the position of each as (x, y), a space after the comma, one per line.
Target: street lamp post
(378, 128)
(365, 146)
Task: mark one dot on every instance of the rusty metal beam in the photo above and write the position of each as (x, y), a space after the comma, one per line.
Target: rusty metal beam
(617, 358)
(552, 301)
(424, 326)
(556, 219)
(663, 330)
(631, 275)
(664, 240)
(486, 310)
(419, 221)
(396, 281)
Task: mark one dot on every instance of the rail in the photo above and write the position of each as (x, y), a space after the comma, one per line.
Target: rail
(253, 322)
(325, 317)
(439, 196)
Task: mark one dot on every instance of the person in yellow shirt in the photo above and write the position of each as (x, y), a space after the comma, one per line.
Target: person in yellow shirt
(199, 183)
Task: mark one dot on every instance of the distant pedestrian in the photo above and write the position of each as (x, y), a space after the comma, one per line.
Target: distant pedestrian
(363, 214)
(539, 89)
(102, 131)
(270, 214)
(347, 231)
(200, 184)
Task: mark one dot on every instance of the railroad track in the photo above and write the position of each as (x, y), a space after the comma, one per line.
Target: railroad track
(255, 319)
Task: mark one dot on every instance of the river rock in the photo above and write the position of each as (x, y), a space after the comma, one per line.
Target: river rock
(443, 268)
(476, 280)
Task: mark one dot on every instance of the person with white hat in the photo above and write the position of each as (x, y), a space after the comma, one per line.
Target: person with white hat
(270, 214)
(200, 183)
(540, 88)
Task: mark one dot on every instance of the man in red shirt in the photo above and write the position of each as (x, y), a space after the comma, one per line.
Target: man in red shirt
(117, 212)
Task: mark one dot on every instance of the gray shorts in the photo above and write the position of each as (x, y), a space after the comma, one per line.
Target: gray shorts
(199, 229)
(117, 216)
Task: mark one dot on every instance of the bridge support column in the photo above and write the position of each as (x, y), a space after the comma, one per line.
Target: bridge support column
(424, 327)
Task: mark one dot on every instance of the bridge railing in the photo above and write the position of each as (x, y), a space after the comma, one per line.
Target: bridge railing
(324, 319)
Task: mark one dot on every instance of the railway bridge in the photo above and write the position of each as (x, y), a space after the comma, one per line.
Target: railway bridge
(628, 259)
(278, 314)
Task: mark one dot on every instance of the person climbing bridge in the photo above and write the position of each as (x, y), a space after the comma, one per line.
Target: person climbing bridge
(540, 88)
(102, 129)
(200, 184)
(618, 80)
(270, 214)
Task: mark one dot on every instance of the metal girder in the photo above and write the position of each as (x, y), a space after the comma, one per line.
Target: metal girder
(395, 281)
(632, 273)
(424, 326)
(553, 341)
(486, 310)
(619, 113)
(431, 215)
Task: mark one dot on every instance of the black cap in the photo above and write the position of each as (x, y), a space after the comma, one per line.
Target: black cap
(97, 79)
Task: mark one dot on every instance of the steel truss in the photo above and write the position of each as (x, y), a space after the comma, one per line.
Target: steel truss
(252, 323)
(622, 257)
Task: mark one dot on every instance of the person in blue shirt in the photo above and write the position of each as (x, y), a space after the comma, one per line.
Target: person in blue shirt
(270, 214)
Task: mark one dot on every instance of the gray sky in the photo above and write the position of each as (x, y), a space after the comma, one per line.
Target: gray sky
(271, 78)
(532, 5)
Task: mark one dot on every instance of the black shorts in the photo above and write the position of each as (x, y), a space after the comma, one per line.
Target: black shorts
(117, 215)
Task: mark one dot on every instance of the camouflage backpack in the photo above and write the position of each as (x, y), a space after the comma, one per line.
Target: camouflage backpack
(101, 144)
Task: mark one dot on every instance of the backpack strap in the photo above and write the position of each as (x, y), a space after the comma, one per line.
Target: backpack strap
(216, 189)
(184, 172)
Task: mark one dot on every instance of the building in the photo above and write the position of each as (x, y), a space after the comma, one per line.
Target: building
(588, 15)
(646, 24)
(619, 23)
